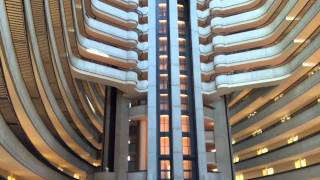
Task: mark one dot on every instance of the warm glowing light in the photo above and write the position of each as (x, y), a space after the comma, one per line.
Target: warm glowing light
(233, 141)
(11, 178)
(293, 139)
(236, 159)
(60, 168)
(300, 163)
(267, 171)
(239, 177)
(262, 151)
(213, 150)
(257, 132)
(128, 158)
(95, 164)
(76, 176)
(215, 170)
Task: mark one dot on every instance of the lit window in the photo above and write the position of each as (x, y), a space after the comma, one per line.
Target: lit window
(164, 146)
(300, 163)
(267, 171)
(186, 145)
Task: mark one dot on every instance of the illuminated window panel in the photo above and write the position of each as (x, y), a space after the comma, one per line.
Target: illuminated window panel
(163, 26)
(186, 146)
(164, 145)
(164, 82)
(187, 169)
(163, 62)
(162, 9)
(185, 125)
(164, 123)
(164, 102)
(165, 169)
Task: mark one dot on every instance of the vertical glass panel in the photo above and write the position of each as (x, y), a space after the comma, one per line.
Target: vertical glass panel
(164, 123)
(164, 145)
(186, 146)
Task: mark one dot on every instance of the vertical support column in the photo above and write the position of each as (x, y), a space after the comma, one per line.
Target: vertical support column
(152, 92)
(106, 131)
(143, 145)
(175, 91)
(121, 137)
(198, 101)
(222, 139)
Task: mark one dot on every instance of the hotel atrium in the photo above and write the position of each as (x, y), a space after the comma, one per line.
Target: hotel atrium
(159, 89)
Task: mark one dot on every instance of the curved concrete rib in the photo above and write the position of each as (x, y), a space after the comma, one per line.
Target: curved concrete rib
(19, 161)
(269, 56)
(27, 114)
(96, 97)
(96, 119)
(60, 122)
(267, 77)
(126, 81)
(258, 37)
(240, 22)
(67, 95)
(114, 15)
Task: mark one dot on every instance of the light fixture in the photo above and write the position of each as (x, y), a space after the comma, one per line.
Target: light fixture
(76, 176)
(11, 178)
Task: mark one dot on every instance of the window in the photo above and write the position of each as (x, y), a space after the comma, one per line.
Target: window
(165, 169)
(164, 145)
(164, 123)
(186, 146)
(187, 169)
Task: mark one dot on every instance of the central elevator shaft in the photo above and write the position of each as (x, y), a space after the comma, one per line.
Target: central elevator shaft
(176, 129)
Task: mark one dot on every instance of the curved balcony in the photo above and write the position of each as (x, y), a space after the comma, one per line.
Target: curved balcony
(300, 95)
(253, 104)
(290, 152)
(309, 172)
(274, 55)
(241, 22)
(26, 112)
(267, 77)
(282, 131)
(226, 8)
(126, 81)
(106, 32)
(57, 117)
(113, 15)
(258, 37)
(102, 52)
(128, 5)
(18, 160)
